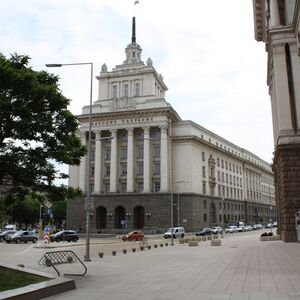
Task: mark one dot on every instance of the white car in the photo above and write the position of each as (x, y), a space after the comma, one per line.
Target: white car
(216, 229)
(241, 228)
(231, 229)
(248, 228)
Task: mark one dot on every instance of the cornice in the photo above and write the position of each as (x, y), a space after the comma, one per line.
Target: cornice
(259, 19)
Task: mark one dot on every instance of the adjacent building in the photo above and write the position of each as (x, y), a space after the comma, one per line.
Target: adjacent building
(143, 155)
(277, 24)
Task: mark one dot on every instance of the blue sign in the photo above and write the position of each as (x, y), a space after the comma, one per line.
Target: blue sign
(48, 211)
(47, 228)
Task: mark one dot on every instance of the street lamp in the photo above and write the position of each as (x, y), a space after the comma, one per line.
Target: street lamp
(88, 187)
(178, 209)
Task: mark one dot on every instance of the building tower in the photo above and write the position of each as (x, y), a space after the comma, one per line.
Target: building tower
(277, 24)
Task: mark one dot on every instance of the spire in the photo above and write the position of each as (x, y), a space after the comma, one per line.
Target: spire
(133, 40)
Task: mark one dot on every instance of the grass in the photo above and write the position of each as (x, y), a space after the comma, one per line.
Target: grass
(12, 279)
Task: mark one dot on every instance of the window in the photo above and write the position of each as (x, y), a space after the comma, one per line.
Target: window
(124, 169)
(125, 90)
(140, 135)
(107, 154)
(203, 156)
(218, 161)
(226, 165)
(220, 205)
(156, 187)
(140, 170)
(124, 153)
(114, 91)
(203, 171)
(123, 187)
(222, 163)
(204, 218)
(140, 152)
(140, 187)
(137, 89)
(107, 173)
(156, 168)
(204, 204)
(204, 187)
(106, 187)
(156, 151)
(124, 137)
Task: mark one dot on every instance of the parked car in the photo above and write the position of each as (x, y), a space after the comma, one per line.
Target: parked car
(269, 225)
(6, 233)
(10, 227)
(257, 226)
(241, 228)
(216, 229)
(136, 235)
(231, 229)
(22, 236)
(177, 232)
(64, 235)
(204, 232)
(248, 227)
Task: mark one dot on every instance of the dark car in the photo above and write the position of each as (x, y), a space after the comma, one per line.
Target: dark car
(22, 236)
(205, 231)
(5, 233)
(64, 235)
(134, 235)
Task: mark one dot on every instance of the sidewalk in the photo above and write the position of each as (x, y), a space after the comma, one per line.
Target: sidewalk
(242, 268)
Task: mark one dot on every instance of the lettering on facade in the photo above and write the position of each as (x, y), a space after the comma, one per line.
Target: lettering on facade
(124, 121)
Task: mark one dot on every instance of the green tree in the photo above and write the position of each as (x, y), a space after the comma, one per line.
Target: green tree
(37, 132)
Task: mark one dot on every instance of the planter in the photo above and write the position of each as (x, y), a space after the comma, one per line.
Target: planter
(155, 245)
(181, 241)
(101, 254)
(114, 252)
(149, 247)
(215, 242)
(166, 244)
(142, 248)
(193, 243)
(133, 249)
(161, 245)
(215, 236)
(124, 251)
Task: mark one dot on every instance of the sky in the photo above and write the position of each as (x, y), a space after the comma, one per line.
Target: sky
(214, 69)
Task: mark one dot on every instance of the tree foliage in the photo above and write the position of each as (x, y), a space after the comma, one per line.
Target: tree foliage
(37, 131)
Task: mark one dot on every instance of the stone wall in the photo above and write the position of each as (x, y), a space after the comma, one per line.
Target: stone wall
(286, 168)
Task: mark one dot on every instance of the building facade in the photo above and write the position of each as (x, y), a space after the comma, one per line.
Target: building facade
(143, 155)
(277, 23)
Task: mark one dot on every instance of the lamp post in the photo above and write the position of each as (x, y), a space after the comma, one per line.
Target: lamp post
(88, 187)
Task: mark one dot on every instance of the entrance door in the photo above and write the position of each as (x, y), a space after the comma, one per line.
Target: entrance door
(139, 217)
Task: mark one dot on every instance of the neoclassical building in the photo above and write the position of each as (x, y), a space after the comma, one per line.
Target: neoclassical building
(143, 155)
(277, 23)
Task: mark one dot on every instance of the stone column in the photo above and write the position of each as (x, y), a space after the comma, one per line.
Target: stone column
(113, 162)
(274, 13)
(147, 160)
(130, 160)
(97, 166)
(82, 167)
(164, 160)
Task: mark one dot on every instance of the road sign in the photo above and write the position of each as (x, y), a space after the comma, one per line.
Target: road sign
(48, 211)
(47, 203)
(47, 228)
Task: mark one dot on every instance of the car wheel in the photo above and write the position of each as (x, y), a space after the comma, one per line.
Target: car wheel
(75, 239)
(18, 241)
(166, 237)
(130, 239)
(34, 240)
(1, 239)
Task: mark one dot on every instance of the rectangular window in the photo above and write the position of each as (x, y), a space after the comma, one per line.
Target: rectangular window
(107, 173)
(124, 169)
(218, 161)
(140, 187)
(114, 91)
(107, 153)
(156, 168)
(156, 187)
(222, 163)
(106, 187)
(203, 171)
(137, 89)
(123, 187)
(124, 153)
(140, 152)
(140, 170)
(204, 204)
(204, 187)
(226, 165)
(156, 151)
(203, 156)
(125, 91)
(204, 218)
